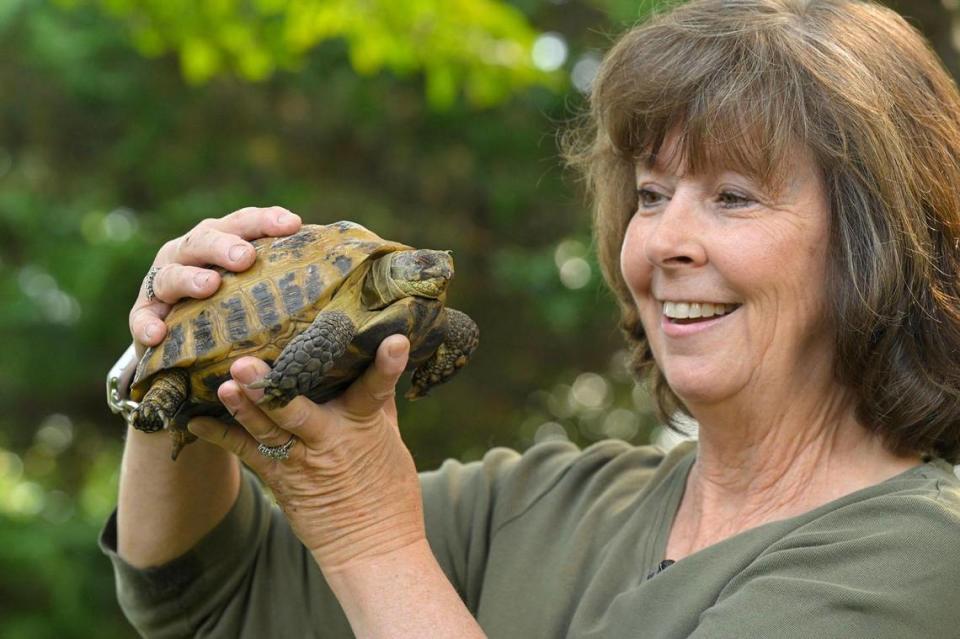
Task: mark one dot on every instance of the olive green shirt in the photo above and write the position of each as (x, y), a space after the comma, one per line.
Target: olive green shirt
(559, 542)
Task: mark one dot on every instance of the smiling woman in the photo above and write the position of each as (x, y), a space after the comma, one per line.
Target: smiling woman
(776, 210)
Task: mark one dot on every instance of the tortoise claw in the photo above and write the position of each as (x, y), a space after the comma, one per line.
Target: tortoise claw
(274, 400)
(275, 395)
(414, 394)
(149, 419)
(180, 437)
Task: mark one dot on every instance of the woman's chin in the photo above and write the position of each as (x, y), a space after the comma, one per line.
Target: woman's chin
(698, 387)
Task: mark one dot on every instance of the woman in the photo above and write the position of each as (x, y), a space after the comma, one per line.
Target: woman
(777, 212)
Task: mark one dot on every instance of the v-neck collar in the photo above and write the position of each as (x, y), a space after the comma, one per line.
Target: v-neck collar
(674, 485)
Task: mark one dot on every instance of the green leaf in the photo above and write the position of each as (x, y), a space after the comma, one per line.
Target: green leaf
(199, 60)
(477, 48)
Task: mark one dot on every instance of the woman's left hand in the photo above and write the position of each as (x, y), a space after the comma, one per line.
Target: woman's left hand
(349, 486)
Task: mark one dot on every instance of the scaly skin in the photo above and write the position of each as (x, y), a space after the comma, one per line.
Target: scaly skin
(306, 359)
(167, 393)
(462, 338)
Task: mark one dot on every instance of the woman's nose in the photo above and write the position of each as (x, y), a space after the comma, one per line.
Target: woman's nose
(675, 236)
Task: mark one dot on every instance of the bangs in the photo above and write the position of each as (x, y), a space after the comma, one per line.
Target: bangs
(729, 102)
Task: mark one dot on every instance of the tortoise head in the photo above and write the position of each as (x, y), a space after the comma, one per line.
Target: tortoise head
(422, 272)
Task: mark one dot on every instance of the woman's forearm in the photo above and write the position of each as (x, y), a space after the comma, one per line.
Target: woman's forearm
(400, 594)
(166, 507)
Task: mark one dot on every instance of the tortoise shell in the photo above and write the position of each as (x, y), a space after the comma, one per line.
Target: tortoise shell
(257, 312)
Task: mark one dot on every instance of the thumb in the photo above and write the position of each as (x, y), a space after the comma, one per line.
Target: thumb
(376, 388)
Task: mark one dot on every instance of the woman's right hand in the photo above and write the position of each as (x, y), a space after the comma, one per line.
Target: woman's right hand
(348, 484)
(183, 264)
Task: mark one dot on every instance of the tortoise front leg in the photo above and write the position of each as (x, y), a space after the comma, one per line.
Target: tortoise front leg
(454, 352)
(306, 359)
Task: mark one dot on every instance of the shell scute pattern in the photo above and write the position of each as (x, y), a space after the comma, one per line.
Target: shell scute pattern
(258, 311)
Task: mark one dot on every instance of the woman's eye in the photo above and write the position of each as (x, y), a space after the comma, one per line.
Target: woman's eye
(729, 200)
(646, 197)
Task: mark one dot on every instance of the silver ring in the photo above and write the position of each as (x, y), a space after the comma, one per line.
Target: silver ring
(148, 283)
(280, 452)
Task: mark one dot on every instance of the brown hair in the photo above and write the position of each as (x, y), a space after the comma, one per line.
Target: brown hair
(741, 81)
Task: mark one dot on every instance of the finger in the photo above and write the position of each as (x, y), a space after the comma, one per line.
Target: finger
(224, 241)
(253, 222)
(146, 322)
(206, 244)
(376, 388)
(174, 282)
(210, 242)
(231, 438)
(262, 428)
(300, 416)
(248, 370)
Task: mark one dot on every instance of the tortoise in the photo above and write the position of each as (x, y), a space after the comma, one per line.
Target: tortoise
(315, 306)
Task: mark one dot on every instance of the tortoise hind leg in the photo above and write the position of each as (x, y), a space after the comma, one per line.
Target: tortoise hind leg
(163, 399)
(306, 359)
(160, 404)
(454, 352)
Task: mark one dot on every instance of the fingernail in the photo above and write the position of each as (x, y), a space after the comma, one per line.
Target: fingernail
(238, 252)
(395, 351)
(200, 279)
(285, 218)
(149, 331)
(228, 399)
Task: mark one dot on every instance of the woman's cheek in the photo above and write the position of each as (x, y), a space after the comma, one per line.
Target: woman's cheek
(633, 264)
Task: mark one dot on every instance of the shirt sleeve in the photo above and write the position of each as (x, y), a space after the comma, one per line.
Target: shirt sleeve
(250, 577)
(832, 580)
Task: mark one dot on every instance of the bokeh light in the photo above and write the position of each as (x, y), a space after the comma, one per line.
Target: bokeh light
(549, 51)
(584, 71)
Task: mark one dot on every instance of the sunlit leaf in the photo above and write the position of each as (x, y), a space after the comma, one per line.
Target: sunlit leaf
(199, 60)
(487, 41)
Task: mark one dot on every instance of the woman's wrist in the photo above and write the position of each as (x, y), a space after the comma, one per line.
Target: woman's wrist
(349, 552)
(164, 507)
(399, 592)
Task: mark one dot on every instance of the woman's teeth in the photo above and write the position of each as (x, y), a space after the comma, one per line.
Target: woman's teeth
(692, 310)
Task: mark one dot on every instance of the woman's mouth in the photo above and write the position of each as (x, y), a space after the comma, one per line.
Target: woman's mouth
(691, 312)
(684, 318)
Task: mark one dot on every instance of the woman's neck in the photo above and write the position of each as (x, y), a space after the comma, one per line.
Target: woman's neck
(754, 469)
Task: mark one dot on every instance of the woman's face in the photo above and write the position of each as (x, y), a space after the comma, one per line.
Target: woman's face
(750, 264)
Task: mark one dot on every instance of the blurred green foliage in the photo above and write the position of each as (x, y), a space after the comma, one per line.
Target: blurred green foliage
(433, 123)
(480, 46)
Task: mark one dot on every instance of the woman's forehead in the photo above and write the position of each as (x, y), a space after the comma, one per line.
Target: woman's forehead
(683, 154)
(682, 150)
